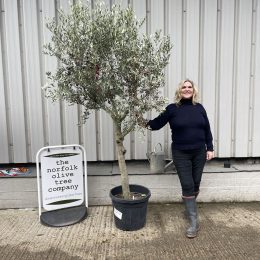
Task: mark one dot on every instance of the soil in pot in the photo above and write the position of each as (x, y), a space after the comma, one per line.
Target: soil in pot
(133, 195)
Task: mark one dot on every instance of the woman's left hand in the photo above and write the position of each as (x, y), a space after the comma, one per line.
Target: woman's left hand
(141, 121)
(210, 155)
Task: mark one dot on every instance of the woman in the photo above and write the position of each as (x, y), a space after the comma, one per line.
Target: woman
(191, 144)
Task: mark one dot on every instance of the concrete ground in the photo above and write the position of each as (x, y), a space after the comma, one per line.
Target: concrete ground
(228, 231)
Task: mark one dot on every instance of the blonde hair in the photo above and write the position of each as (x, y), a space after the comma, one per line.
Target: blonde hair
(178, 95)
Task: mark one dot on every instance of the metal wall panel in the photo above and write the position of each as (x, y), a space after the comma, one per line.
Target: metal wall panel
(15, 96)
(208, 58)
(255, 79)
(157, 8)
(216, 43)
(226, 45)
(139, 142)
(4, 154)
(90, 137)
(52, 110)
(243, 57)
(70, 119)
(32, 78)
(191, 12)
(175, 68)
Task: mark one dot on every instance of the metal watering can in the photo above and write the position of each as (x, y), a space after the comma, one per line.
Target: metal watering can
(156, 160)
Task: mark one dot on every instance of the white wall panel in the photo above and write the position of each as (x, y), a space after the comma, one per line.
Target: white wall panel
(175, 27)
(157, 23)
(106, 142)
(192, 40)
(71, 122)
(225, 86)
(52, 114)
(123, 3)
(208, 58)
(139, 7)
(4, 156)
(32, 78)
(70, 119)
(175, 33)
(243, 78)
(256, 93)
(14, 83)
(216, 44)
(90, 136)
(139, 145)
(65, 5)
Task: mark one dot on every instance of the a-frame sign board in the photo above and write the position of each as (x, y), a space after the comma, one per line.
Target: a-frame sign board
(62, 190)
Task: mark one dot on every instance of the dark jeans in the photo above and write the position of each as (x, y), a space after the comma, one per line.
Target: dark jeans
(189, 165)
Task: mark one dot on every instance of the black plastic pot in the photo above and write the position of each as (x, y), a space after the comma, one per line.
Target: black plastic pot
(130, 215)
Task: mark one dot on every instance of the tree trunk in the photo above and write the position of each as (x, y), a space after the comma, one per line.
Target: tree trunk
(121, 161)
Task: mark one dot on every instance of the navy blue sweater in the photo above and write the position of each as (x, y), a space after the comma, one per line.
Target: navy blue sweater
(189, 124)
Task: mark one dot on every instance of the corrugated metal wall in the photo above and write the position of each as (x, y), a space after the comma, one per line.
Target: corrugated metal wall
(216, 43)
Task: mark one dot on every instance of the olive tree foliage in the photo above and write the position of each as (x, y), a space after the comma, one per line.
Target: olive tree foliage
(106, 63)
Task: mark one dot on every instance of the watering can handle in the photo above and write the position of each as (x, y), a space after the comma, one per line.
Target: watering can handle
(148, 157)
(154, 149)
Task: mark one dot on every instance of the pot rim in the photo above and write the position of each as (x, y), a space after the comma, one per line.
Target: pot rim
(113, 197)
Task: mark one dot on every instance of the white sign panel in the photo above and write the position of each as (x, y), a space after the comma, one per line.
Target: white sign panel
(62, 178)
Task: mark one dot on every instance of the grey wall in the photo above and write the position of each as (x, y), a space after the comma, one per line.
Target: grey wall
(216, 43)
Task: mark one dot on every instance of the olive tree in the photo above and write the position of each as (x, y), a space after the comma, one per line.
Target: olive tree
(106, 63)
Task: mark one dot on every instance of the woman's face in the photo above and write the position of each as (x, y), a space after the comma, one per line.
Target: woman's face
(187, 90)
